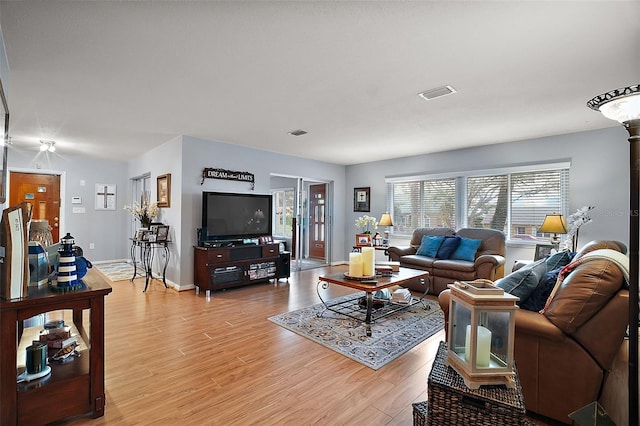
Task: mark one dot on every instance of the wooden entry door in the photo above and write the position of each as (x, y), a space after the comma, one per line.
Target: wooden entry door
(317, 226)
(41, 192)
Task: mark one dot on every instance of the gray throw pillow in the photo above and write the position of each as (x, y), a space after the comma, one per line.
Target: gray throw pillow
(524, 281)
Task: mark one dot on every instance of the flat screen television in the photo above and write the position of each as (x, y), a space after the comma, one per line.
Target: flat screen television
(229, 216)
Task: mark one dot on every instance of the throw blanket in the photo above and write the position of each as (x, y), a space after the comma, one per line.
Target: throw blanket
(621, 260)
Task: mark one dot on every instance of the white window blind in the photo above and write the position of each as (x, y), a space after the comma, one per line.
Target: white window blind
(513, 201)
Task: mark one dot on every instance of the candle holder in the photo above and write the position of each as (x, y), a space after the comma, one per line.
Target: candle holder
(481, 334)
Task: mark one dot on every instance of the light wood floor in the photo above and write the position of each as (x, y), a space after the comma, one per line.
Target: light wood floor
(178, 358)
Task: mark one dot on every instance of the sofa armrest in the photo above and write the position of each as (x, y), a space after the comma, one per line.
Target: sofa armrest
(536, 324)
(489, 266)
(395, 253)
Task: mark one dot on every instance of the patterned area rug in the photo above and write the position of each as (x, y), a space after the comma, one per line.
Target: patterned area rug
(119, 271)
(391, 337)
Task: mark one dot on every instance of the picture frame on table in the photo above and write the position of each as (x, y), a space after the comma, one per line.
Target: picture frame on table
(164, 190)
(140, 233)
(363, 240)
(543, 250)
(162, 233)
(362, 199)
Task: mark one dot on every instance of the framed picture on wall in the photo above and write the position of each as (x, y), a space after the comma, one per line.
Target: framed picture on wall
(361, 199)
(164, 190)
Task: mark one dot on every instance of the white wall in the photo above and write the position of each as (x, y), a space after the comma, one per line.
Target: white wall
(186, 157)
(599, 176)
(104, 228)
(159, 161)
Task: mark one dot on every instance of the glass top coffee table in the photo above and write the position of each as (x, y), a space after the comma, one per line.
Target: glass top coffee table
(346, 307)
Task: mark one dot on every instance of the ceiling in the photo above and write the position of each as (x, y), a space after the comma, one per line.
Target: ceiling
(113, 79)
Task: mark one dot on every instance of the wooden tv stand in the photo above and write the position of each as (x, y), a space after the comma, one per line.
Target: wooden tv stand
(217, 268)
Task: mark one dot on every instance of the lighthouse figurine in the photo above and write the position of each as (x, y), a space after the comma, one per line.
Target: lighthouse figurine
(67, 274)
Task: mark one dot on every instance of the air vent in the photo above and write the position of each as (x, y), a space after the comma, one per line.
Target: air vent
(437, 92)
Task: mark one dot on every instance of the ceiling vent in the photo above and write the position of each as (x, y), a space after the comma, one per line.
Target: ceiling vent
(298, 132)
(438, 92)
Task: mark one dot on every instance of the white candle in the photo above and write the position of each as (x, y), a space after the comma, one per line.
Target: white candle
(355, 264)
(483, 345)
(368, 261)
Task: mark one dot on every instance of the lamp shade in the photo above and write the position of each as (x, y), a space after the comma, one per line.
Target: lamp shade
(553, 224)
(385, 220)
(621, 104)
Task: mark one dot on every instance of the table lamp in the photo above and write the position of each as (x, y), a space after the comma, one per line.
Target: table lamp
(385, 220)
(554, 224)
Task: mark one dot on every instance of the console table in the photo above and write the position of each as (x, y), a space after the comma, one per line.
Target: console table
(147, 251)
(72, 388)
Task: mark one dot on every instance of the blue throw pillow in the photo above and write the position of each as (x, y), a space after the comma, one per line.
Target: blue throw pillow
(430, 245)
(467, 249)
(448, 246)
(524, 281)
(558, 260)
(538, 298)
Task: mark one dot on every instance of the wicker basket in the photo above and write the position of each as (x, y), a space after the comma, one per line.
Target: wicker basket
(420, 413)
(451, 402)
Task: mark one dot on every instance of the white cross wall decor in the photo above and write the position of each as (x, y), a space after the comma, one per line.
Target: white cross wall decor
(105, 196)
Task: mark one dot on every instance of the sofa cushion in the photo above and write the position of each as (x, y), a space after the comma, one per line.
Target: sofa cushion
(418, 233)
(524, 281)
(430, 245)
(448, 246)
(584, 292)
(417, 262)
(467, 249)
(540, 294)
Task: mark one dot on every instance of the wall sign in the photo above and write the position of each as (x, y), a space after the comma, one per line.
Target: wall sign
(211, 173)
(105, 196)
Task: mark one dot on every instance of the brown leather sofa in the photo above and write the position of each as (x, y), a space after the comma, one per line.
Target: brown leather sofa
(488, 263)
(564, 355)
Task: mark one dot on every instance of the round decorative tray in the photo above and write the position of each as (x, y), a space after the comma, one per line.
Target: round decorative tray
(363, 278)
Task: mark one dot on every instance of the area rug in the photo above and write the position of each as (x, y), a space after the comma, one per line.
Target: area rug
(119, 271)
(391, 337)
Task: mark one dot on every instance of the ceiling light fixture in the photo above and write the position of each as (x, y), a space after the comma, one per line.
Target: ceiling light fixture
(48, 146)
(438, 92)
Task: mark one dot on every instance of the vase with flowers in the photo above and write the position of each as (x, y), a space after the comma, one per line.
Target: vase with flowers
(145, 212)
(366, 224)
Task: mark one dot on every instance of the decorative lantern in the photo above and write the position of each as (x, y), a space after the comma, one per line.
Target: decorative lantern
(67, 273)
(481, 333)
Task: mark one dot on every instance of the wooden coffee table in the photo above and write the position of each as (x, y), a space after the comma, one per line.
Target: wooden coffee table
(399, 278)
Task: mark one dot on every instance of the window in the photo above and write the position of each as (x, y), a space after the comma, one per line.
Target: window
(429, 203)
(283, 212)
(513, 200)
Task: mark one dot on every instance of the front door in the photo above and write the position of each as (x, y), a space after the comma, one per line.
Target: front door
(41, 192)
(317, 227)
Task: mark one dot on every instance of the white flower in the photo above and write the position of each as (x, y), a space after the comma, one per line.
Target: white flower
(143, 212)
(575, 221)
(366, 223)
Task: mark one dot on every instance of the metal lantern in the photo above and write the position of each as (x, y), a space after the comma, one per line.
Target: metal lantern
(481, 334)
